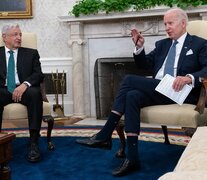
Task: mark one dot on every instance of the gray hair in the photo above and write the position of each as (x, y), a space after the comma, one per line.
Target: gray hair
(7, 27)
(181, 14)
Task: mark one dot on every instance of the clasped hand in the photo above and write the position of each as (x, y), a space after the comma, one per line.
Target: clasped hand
(180, 82)
(18, 92)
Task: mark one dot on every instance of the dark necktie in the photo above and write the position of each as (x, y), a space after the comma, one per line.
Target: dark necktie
(170, 61)
(11, 84)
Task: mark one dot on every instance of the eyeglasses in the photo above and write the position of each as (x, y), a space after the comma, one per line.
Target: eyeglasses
(15, 35)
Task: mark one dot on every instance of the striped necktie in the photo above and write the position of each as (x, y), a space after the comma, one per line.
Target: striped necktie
(170, 61)
(11, 84)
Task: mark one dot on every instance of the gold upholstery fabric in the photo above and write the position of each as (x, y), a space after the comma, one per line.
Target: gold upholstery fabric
(174, 115)
(15, 111)
(198, 28)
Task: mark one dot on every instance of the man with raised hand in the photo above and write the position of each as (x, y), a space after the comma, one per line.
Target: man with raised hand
(180, 54)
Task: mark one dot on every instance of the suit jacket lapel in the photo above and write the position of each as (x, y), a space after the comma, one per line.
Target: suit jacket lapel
(20, 57)
(163, 54)
(166, 49)
(3, 61)
(20, 64)
(186, 46)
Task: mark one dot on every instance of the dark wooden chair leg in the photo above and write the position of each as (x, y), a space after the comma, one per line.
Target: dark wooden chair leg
(120, 130)
(50, 121)
(5, 172)
(189, 131)
(164, 129)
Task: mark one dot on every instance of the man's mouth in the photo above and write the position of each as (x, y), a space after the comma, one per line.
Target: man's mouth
(169, 33)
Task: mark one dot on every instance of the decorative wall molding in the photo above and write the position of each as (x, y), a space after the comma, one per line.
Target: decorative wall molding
(139, 15)
(78, 41)
(48, 63)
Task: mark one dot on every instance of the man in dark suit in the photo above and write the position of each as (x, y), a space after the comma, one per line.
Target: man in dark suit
(189, 54)
(26, 76)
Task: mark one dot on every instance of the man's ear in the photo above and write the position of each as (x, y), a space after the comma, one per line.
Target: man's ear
(3, 36)
(184, 23)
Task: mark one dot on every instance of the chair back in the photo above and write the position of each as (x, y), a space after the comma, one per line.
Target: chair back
(197, 27)
(29, 40)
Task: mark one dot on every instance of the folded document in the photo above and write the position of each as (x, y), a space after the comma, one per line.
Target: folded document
(165, 88)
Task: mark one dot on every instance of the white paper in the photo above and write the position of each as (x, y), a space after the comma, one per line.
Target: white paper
(165, 88)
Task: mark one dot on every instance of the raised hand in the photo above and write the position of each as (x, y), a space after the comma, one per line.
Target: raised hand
(137, 38)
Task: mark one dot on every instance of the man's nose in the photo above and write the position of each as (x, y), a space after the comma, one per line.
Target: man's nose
(19, 36)
(167, 28)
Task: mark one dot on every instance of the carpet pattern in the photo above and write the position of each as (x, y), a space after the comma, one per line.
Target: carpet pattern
(147, 134)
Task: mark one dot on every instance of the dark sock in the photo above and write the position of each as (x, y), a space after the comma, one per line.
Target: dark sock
(109, 127)
(34, 135)
(132, 145)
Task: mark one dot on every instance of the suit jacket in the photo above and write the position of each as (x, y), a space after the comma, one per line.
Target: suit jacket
(28, 66)
(192, 60)
(194, 63)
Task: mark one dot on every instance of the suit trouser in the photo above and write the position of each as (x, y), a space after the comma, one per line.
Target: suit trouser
(32, 99)
(135, 93)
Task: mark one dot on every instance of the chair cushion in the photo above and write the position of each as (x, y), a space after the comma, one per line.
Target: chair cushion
(19, 111)
(173, 115)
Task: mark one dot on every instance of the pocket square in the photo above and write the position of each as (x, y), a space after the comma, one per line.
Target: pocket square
(189, 52)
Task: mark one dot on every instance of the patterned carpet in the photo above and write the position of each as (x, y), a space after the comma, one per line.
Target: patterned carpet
(176, 136)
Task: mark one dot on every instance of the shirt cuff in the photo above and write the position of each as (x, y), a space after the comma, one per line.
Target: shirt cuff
(27, 83)
(138, 51)
(192, 78)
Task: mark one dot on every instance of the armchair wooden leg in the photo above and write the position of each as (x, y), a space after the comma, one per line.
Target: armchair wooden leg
(189, 131)
(5, 172)
(50, 121)
(164, 129)
(120, 130)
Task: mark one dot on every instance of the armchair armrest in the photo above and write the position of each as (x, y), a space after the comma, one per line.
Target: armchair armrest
(203, 97)
(43, 92)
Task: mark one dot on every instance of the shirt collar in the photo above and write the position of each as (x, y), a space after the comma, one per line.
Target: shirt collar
(181, 39)
(7, 50)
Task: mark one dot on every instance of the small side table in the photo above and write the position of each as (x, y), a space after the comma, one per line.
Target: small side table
(5, 155)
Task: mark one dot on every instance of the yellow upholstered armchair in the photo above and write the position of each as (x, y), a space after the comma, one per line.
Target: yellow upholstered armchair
(186, 116)
(17, 111)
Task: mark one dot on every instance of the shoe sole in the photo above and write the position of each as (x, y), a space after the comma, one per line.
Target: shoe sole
(95, 146)
(33, 160)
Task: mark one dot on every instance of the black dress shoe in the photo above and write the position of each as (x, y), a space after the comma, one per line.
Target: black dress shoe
(33, 153)
(125, 168)
(93, 142)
